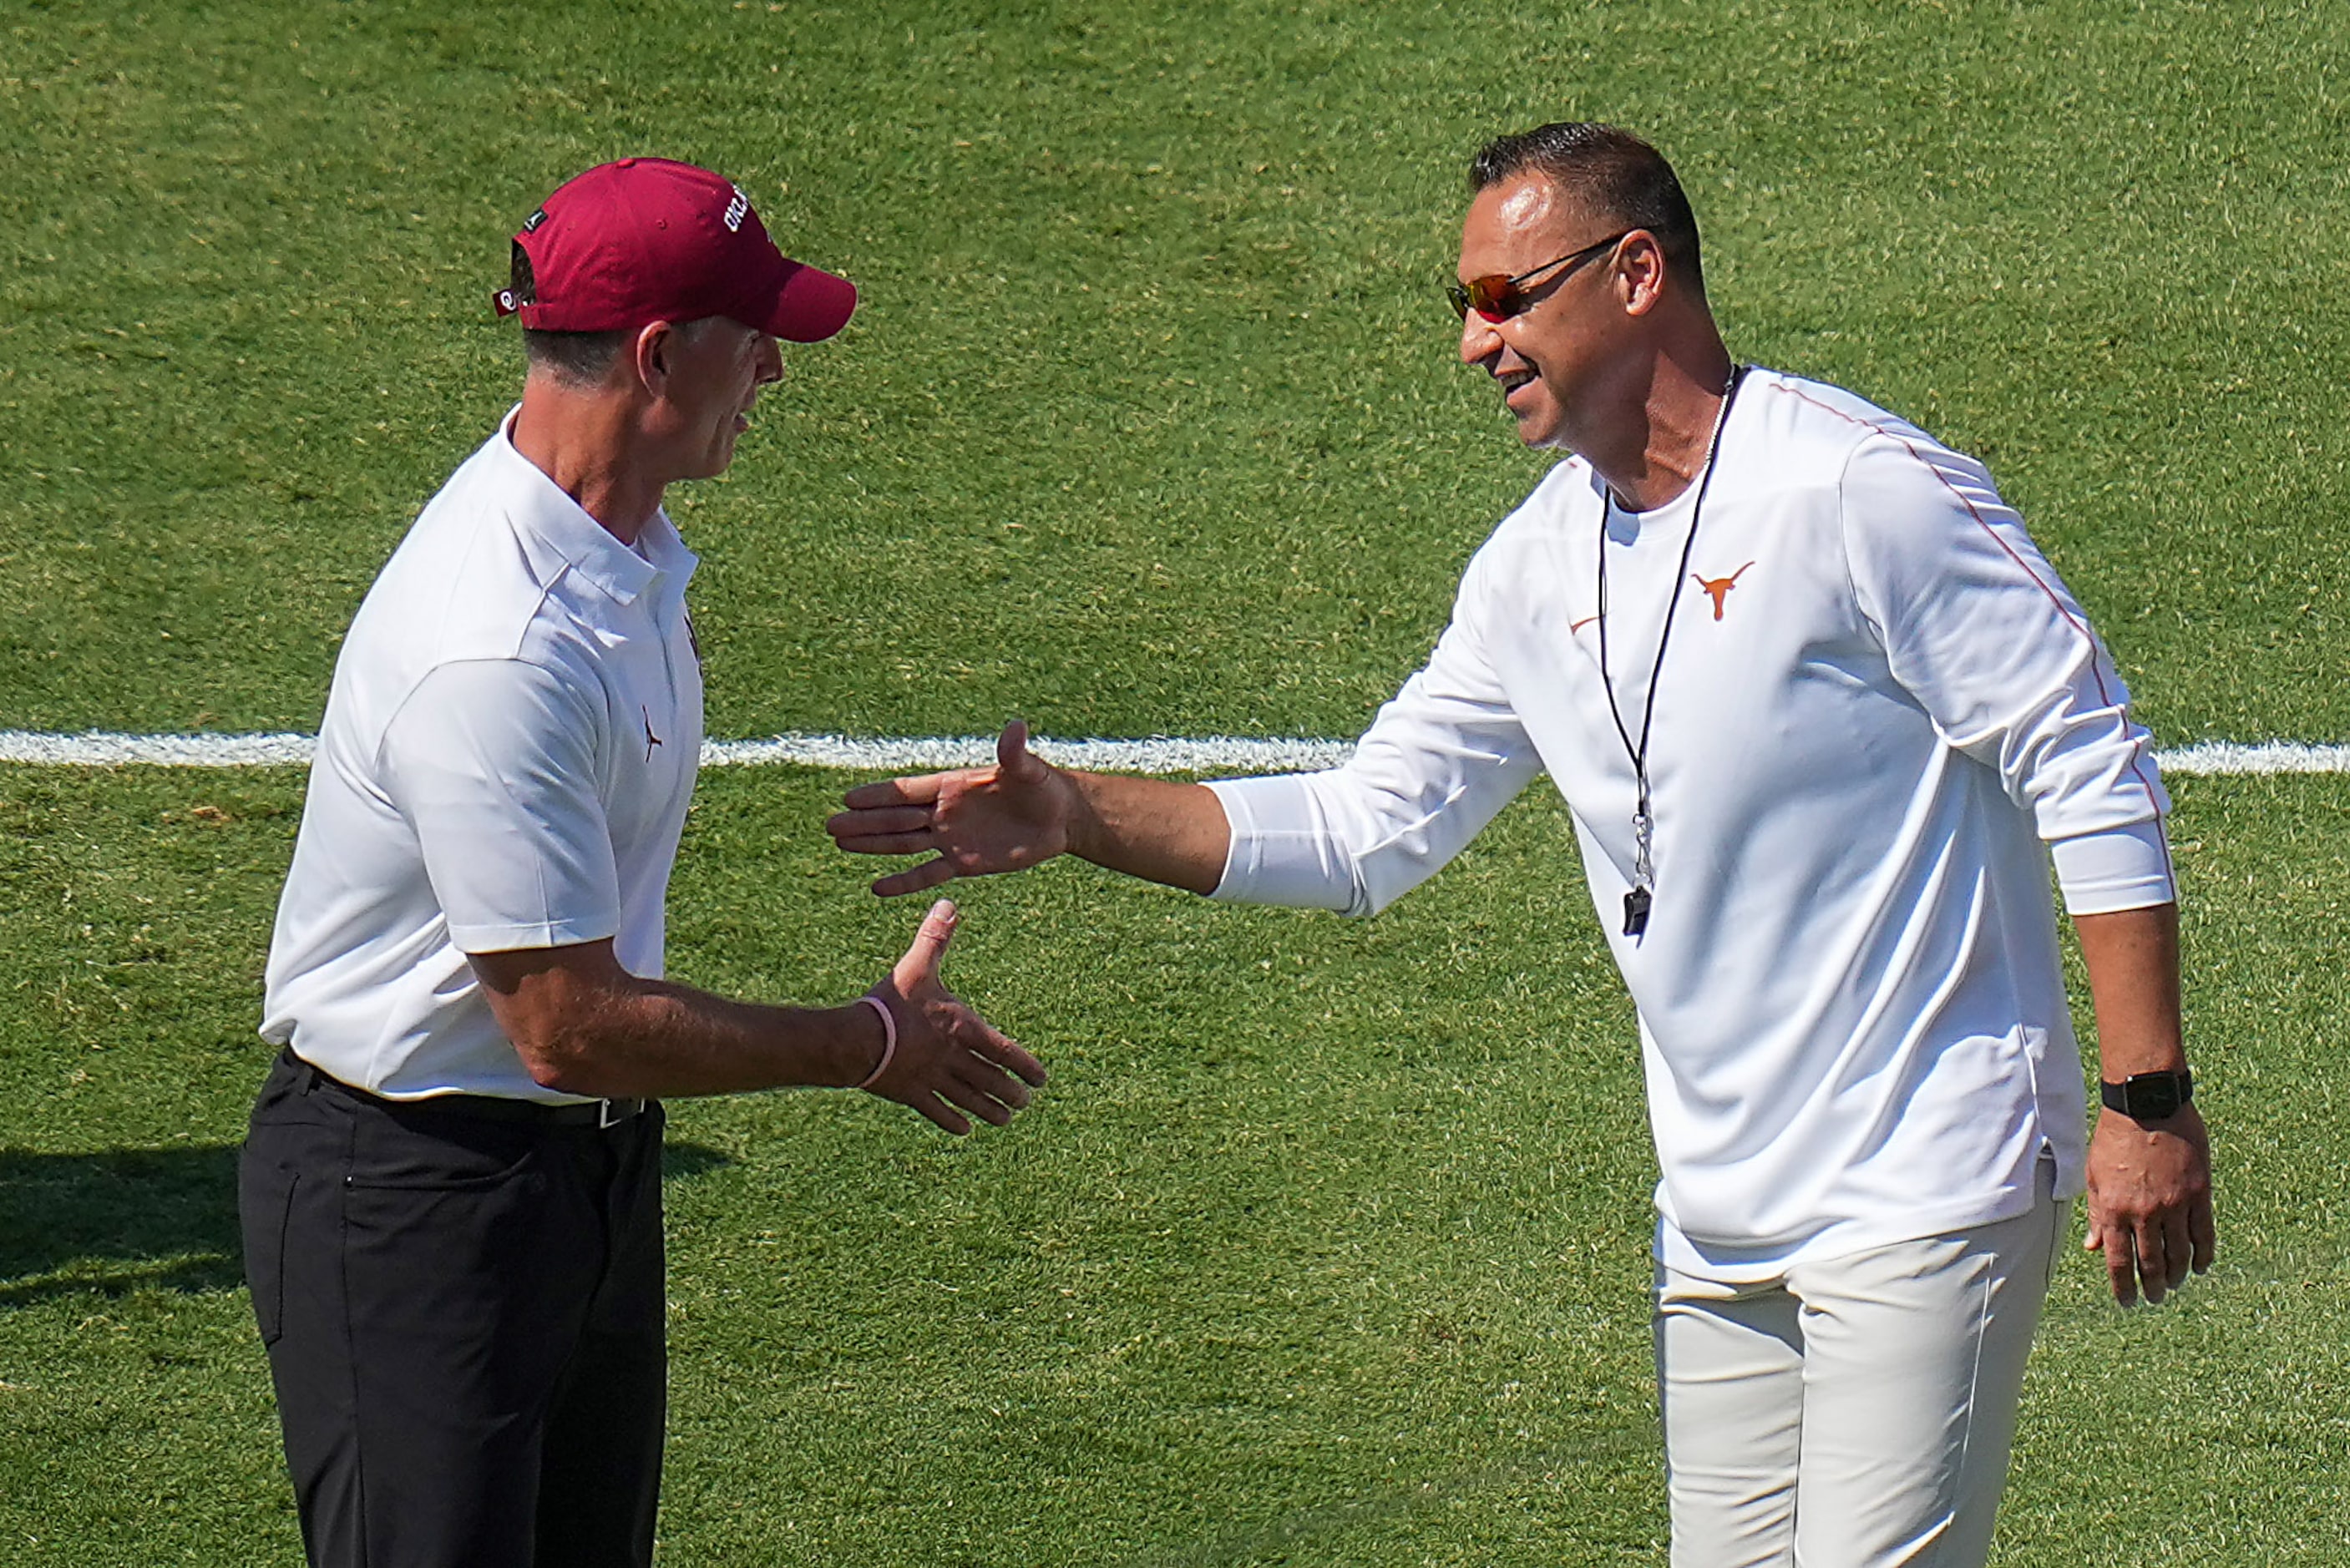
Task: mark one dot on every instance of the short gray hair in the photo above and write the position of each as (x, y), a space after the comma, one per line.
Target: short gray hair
(575, 359)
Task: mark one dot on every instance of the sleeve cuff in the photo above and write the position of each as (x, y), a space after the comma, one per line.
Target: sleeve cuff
(499, 938)
(1281, 850)
(2117, 868)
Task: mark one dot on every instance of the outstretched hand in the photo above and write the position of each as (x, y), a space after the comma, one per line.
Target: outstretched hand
(949, 1060)
(979, 821)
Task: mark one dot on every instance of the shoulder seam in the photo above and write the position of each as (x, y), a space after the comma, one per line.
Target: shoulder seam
(392, 718)
(2063, 611)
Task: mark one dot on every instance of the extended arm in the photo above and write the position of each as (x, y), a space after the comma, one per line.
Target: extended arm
(1446, 753)
(493, 763)
(2149, 1184)
(585, 1025)
(1024, 812)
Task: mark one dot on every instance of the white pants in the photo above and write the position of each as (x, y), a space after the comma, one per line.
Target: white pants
(1856, 1413)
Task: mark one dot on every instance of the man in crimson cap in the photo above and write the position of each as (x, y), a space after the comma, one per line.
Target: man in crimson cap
(649, 238)
(450, 1190)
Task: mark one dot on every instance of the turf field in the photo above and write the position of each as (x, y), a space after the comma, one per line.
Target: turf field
(1327, 1245)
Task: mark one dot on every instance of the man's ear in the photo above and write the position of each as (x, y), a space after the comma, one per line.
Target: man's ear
(1641, 272)
(656, 342)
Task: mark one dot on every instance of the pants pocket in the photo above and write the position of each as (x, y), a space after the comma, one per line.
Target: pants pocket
(2060, 1221)
(265, 1201)
(422, 1153)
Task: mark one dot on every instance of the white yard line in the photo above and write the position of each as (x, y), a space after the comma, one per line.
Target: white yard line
(1208, 754)
(2263, 757)
(1162, 754)
(97, 749)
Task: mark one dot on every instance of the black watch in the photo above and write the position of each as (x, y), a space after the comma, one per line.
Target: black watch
(2149, 1096)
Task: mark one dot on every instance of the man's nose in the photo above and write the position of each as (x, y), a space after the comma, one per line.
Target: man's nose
(771, 359)
(1479, 338)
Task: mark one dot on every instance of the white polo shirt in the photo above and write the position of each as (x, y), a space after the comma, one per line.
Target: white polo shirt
(508, 751)
(1877, 705)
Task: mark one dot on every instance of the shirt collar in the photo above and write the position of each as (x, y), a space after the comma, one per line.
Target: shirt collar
(557, 528)
(672, 564)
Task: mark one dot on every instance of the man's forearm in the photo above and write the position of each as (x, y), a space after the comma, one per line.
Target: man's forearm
(1157, 829)
(670, 1041)
(2132, 956)
(585, 1027)
(2150, 1183)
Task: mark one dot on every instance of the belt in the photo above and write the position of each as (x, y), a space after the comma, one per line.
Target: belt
(483, 1108)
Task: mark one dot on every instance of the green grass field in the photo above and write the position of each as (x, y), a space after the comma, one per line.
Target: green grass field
(1327, 1245)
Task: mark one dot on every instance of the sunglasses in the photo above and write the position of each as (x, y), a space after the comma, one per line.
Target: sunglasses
(1497, 298)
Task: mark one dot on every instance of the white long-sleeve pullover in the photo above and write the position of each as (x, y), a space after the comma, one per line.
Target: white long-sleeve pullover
(1877, 706)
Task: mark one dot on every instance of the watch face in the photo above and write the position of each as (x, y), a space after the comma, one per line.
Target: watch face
(2151, 1096)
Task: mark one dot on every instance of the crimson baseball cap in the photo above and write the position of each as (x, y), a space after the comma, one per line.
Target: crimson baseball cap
(649, 239)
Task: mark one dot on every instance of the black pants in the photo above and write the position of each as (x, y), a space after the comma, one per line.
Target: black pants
(464, 1324)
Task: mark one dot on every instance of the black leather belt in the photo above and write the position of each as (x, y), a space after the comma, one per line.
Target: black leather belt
(483, 1108)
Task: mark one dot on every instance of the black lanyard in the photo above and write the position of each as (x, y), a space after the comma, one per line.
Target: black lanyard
(1638, 902)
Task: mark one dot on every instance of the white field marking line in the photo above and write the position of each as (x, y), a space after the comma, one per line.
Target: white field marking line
(1203, 754)
(851, 753)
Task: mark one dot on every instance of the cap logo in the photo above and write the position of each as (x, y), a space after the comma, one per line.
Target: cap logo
(736, 210)
(530, 225)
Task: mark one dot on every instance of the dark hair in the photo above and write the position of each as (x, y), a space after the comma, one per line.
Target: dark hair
(1613, 172)
(582, 359)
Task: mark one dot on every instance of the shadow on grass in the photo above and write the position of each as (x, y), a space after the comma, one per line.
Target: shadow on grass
(118, 1220)
(137, 1219)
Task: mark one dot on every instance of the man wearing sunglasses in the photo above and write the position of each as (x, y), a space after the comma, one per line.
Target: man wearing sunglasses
(1823, 715)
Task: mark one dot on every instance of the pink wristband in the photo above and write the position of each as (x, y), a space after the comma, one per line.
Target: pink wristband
(888, 1038)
